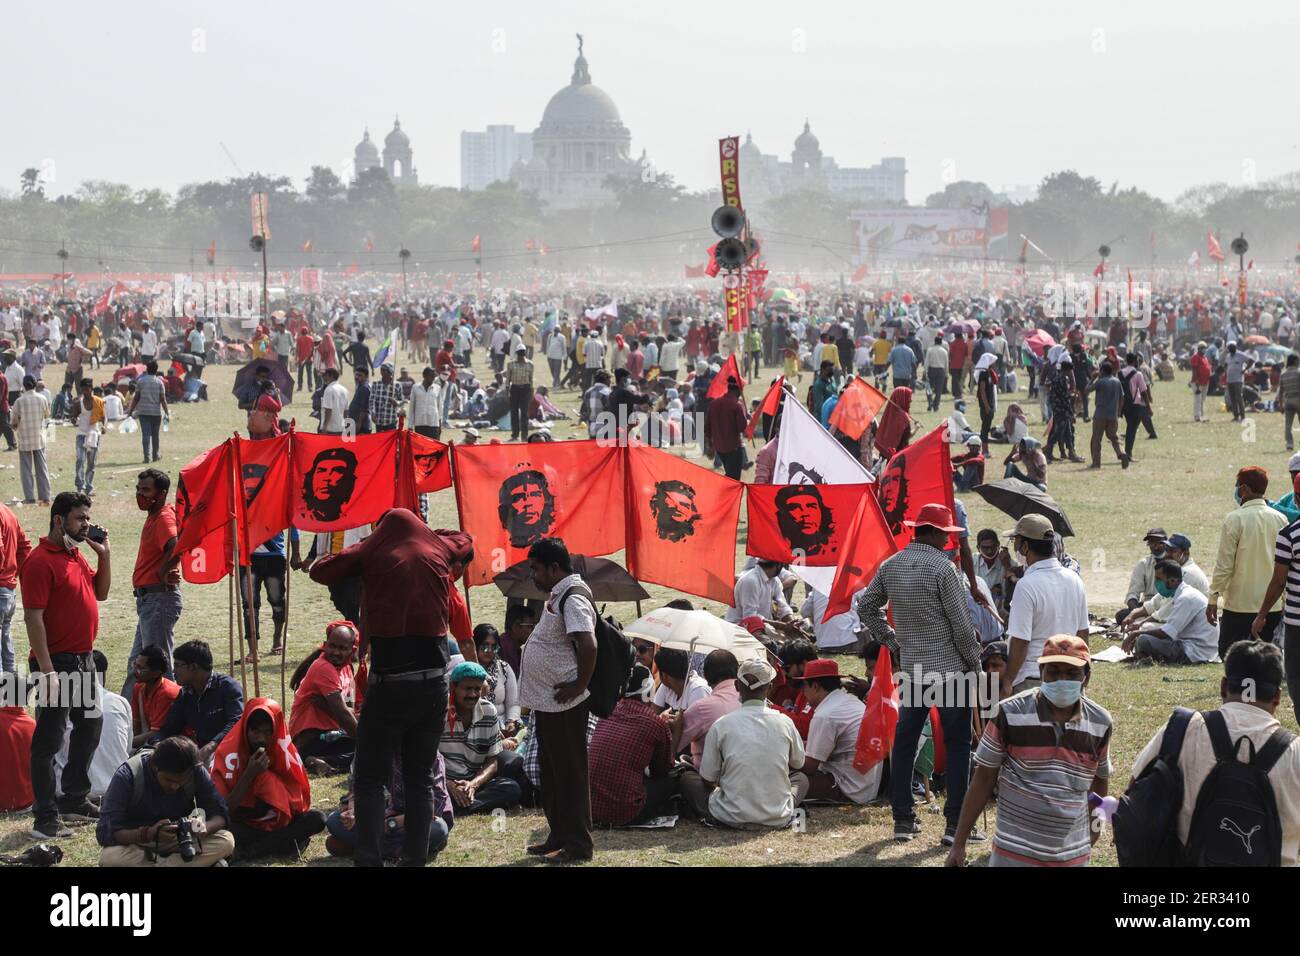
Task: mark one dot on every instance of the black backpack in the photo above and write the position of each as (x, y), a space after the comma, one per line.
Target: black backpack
(614, 655)
(1236, 822)
(1145, 824)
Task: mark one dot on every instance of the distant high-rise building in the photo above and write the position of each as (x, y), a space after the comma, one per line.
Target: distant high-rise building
(488, 157)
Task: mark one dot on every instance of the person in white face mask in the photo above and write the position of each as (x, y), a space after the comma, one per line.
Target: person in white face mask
(1047, 750)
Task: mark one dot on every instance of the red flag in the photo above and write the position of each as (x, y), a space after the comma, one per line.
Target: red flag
(432, 463)
(204, 507)
(695, 272)
(477, 244)
(860, 273)
(1101, 269)
(1215, 250)
(212, 252)
(858, 405)
(769, 406)
(264, 477)
(1130, 285)
(509, 496)
(340, 482)
(876, 734)
(351, 270)
(306, 246)
(370, 244)
(681, 524)
(867, 542)
(712, 268)
(919, 475)
(718, 387)
(802, 524)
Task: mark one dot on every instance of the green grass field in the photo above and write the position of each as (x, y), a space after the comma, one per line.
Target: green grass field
(1182, 482)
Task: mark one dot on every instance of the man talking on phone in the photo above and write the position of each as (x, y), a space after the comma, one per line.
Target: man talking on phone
(61, 598)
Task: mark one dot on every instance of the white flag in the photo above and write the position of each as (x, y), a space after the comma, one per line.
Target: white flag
(808, 455)
(1194, 259)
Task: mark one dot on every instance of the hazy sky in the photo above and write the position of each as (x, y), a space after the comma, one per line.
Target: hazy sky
(1158, 95)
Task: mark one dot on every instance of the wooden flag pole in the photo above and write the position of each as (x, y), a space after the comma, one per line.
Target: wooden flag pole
(231, 595)
(247, 579)
(288, 582)
(234, 573)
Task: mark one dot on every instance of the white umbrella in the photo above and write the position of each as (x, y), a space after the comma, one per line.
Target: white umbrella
(696, 632)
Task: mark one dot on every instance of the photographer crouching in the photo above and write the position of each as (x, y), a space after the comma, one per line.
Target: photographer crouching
(147, 817)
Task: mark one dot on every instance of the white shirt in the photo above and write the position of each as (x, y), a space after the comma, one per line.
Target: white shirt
(833, 741)
(937, 357)
(1049, 600)
(113, 409)
(839, 631)
(749, 753)
(426, 407)
(670, 356)
(149, 343)
(1186, 624)
(114, 743)
(1197, 760)
(754, 596)
(14, 376)
(594, 352)
(695, 688)
(500, 339)
(333, 406)
(557, 346)
(1157, 606)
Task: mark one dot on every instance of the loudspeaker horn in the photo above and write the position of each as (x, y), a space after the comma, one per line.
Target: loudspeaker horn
(727, 221)
(730, 253)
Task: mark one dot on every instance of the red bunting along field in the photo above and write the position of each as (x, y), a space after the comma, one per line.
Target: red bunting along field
(1181, 482)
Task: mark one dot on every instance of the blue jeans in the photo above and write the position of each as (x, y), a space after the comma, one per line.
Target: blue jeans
(156, 617)
(7, 604)
(85, 479)
(956, 741)
(149, 428)
(438, 833)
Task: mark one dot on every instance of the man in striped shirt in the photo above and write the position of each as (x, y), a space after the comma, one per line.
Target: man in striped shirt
(1286, 577)
(471, 745)
(1046, 750)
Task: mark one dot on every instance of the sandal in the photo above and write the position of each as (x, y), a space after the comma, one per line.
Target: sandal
(277, 651)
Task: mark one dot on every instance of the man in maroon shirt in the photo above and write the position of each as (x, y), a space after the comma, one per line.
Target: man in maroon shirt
(61, 611)
(624, 746)
(724, 428)
(406, 571)
(958, 349)
(14, 548)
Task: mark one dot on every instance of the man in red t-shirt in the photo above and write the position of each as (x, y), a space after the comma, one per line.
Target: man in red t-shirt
(14, 548)
(444, 358)
(156, 582)
(305, 349)
(958, 349)
(325, 701)
(153, 694)
(61, 612)
(1200, 382)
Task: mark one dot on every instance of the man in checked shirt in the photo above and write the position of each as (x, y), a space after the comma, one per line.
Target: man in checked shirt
(385, 400)
(939, 651)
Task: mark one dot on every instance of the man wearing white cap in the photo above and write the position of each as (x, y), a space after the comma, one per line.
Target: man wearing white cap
(748, 756)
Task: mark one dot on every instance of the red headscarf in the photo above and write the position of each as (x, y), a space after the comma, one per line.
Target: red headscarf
(283, 787)
(892, 431)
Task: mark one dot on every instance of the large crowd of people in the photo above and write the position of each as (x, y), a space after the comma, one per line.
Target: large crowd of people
(435, 716)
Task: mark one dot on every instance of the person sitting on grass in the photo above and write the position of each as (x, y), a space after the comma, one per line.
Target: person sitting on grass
(260, 774)
(828, 772)
(1185, 636)
(323, 722)
(748, 757)
(502, 685)
(209, 704)
(149, 794)
(152, 695)
(341, 824)
(471, 747)
(679, 686)
(629, 758)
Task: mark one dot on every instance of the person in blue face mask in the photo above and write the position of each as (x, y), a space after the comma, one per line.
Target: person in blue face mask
(1047, 749)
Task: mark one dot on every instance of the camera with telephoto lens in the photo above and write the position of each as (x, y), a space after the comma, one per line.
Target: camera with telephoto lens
(185, 839)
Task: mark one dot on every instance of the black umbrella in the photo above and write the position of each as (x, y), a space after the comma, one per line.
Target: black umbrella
(279, 375)
(608, 581)
(190, 360)
(1019, 498)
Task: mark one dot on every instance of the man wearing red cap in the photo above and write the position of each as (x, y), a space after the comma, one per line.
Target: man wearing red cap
(828, 772)
(1046, 750)
(939, 650)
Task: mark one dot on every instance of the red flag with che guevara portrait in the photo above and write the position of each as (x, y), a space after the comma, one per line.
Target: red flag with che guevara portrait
(432, 462)
(509, 496)
(801, 524)
(340, 482)
(681, 524)
(264, 478)
(919, 475)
